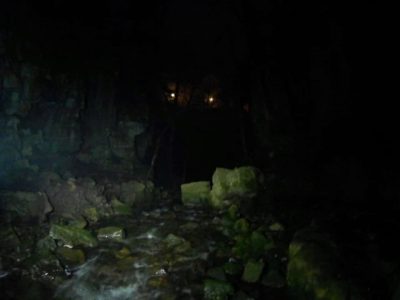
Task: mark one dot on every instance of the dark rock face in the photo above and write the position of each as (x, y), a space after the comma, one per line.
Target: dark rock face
(49, 121)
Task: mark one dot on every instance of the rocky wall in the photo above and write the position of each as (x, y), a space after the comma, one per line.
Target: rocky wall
(50, 120)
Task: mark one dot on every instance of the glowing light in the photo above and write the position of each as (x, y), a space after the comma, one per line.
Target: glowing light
(211, 99)
(172, 95)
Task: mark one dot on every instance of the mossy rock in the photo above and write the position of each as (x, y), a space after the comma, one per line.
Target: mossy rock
(91, 214)
(70, 257)
(217, 289)
(177, 244)
(253, 270)
(312, 271)
(243, 182)
(73, 236)
(254, 245)
(241, 226)
(120, 208)
(195, 193)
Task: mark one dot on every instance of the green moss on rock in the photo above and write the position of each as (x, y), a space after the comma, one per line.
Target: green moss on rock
(217, 289)
(73, 236)
(195, 193)
(252, 270)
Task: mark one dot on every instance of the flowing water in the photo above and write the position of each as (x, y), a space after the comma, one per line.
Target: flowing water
(164, 256)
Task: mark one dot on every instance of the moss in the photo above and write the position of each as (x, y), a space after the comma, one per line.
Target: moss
(253, 270)
(73, 236)
(196, 193)
(217, 289)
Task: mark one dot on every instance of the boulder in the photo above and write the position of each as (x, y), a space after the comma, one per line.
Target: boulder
(74, 198)
(312, 271)
(135, 193)
(70, 257)
(196, 193)
(253, 270)
(231, 185)
(25, 205)
(72, 236)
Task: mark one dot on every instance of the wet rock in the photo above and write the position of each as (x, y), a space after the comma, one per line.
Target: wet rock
(217, 273)
(122, 253)
(276, 227)
(242, 296)
(72, 236)
(233, 268)
(8, 238)
(178, 244)
(274, 279)
(76, 197)
(70, 257)
(189, 226)
(157, 282)
(241, 226)
(252, 270)
(312, 271)
(217, 289)
(111, 233)
(230, 185)
(135, 193)
(120, 208)
(25, 205)
(254, 245)
(196, 193)
(91, 214)
(45, 246)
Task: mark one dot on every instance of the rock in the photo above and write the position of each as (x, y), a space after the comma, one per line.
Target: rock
(276, 227)
(8, 238)
(273, 279)
(230, 185)
(177, 244)
(217, 273)
(79, 222)
(233, 268)
(253, 246)
(122, 253)
(259, 244)
(217, 289)
(111, 233)
(196, 193)
(45, 246)
(135, 193)
(25, 205)
(91, 214)
(120, 208)
(74, 198)
(242, 296)
(312, 271)
(241, 226)
(70, 257)
(72, 236)
(252, 270)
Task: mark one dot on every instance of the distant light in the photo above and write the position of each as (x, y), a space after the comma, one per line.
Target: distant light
(172, 95)
(211, 99)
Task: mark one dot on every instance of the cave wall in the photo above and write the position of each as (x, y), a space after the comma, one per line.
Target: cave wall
(61, 121)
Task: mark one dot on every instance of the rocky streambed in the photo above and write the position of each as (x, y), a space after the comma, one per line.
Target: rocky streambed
(172, 252)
